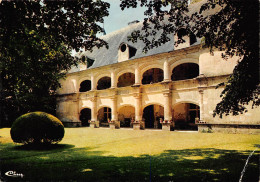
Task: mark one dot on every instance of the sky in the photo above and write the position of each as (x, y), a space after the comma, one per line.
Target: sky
(118, 19)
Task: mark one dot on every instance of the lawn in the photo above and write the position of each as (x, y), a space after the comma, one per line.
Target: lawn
(87, 154)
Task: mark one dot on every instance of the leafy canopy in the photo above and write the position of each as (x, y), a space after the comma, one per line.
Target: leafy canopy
(36, 39)
(227, 25)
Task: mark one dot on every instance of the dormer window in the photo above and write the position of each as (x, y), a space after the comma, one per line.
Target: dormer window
(125, 52)
(188, 37)
(89, 62)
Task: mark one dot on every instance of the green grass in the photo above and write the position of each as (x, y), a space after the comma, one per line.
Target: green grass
(87, 154)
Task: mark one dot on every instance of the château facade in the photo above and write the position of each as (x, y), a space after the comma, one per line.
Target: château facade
(169, 88)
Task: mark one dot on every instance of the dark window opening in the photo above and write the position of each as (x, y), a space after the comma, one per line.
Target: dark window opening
(132, 51)
(185, 71)
(85, 116)
(104, 83)
(83, 59)
(193, 39)
(127, 79)
(85, 86)
(181, 33)
(90, 62)
(123, 48)
(153, 75)
(152, 115)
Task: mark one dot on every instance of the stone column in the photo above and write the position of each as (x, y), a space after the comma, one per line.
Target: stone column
(138, 102)
(166, 71)
(113, 80)
(94, 121)
(93, 82)
(166, 124)
(114, 113)
(201, 92)
(167, 106)
(137, 76)
(138, 123)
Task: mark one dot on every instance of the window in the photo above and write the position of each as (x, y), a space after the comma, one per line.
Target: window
(194, 112)
(123, 48)
(107, 113)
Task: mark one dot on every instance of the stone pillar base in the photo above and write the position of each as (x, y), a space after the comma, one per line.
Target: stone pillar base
(112, 126)
(136, 126)
(166, 126)
(142, 125)
(92, 125)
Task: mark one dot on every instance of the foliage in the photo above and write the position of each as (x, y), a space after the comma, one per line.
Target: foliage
(36, 39)
(227, 25)
(37, 128)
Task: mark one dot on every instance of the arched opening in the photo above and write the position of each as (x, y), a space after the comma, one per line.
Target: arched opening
(185, 71)
(85, 116)
(85, 86)
(152, 115)
(104, 114)
(153, 75)
(185, 115)
(126, 114)
(104, 83)
(127, 79)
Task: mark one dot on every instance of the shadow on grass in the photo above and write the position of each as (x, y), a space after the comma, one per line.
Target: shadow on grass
(83, 164)
(44, 147)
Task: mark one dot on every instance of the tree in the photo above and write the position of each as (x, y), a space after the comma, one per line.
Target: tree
(36, 39)
(227, 25)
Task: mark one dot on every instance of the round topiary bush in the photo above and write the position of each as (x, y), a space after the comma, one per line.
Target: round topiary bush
(37, 128)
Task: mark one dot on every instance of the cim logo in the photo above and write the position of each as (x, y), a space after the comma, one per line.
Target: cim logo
(14, 174)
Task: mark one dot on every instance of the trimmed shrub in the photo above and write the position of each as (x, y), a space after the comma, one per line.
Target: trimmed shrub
(37, 128)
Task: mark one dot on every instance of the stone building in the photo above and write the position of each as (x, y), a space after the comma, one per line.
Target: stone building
(169, 88)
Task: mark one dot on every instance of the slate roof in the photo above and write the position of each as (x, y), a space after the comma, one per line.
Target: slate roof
(109, 56)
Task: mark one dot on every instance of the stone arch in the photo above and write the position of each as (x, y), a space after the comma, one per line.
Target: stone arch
(152, 113)
(151, 103)
(101, 75)
(84, 78)
(103, 115)
(126, 114)
(153, 75)
(126, 79)
(85, 116)
(85, 86)
(175, 63)
(185, 115)
(104, 83)
(101, 106)
(185, 71)
(186, 101)
(143, 68)
(123, 71)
